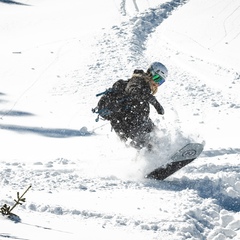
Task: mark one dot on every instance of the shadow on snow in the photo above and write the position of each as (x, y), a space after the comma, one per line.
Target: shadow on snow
(9, 236)
(12, 113)
(212, 189)
(15, 113)
(13, 2)
(2, 94)
(205, 188)
(48, 132)
(214, 153)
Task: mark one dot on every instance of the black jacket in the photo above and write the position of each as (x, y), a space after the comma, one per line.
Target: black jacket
(136, 110)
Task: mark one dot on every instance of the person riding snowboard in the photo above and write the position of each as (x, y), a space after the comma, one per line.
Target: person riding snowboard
(127, 105)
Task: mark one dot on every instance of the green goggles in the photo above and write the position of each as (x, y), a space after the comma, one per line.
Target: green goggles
(158, 79)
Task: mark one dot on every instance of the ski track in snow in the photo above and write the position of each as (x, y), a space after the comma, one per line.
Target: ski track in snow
(129, 37)
(212, 184)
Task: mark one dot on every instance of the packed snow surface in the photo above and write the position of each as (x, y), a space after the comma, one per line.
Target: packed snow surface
(55, 57)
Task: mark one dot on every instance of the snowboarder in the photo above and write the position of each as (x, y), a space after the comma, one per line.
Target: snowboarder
(128, 106)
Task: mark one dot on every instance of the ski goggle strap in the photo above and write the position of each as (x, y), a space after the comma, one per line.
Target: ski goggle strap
(158, 79)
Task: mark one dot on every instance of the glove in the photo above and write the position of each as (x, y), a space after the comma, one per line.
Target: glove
(159, 109)
(156, 104)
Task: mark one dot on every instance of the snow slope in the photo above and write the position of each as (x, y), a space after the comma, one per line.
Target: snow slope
(55, 56)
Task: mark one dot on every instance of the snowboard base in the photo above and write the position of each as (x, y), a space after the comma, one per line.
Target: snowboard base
(180, 159)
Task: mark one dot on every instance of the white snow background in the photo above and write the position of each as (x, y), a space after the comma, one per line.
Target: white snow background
(55, 56)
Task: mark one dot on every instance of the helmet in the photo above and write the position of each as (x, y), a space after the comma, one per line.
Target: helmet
(158, 70)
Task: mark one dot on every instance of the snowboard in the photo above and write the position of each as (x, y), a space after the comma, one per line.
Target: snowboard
(180, 159)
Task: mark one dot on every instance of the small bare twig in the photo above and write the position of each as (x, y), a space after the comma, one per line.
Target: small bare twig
(7, 210)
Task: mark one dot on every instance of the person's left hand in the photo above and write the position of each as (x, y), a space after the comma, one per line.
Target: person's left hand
(160, 109)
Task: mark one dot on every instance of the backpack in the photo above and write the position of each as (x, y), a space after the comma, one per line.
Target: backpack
(112, 102)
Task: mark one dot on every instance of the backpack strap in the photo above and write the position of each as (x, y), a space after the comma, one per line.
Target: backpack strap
(105, 92)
